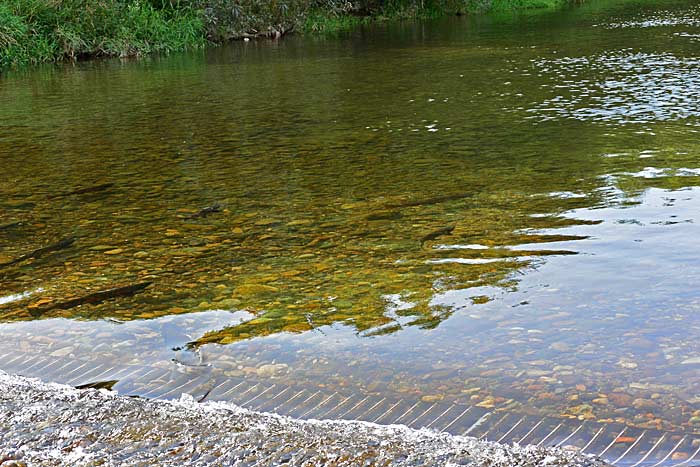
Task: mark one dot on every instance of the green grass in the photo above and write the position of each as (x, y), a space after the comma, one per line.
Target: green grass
(507, 5)
(323, 22)
(331, 22)
(33, 31)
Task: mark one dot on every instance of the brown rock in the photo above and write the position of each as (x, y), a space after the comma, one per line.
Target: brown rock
(620, 399)
(640, 403)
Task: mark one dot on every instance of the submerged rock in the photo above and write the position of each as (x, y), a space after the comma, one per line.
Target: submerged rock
(52, 424)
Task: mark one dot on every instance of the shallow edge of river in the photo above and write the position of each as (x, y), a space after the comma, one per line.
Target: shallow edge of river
(52, 424)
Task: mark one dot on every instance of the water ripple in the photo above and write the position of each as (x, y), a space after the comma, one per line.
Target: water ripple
(620, 87)
(689, 17)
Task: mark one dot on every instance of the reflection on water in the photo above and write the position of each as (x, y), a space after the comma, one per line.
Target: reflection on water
(381, 212)
(622, 87)
(685, 17)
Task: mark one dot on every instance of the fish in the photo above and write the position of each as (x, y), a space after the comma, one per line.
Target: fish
(96, 297)
(429, 201)
(384, 215)
(99, 385)
(437, 233)
(65, 243)
(10, 225)
(82, 191)
(204, 212)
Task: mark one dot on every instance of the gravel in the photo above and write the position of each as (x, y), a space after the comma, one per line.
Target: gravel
(46, 424)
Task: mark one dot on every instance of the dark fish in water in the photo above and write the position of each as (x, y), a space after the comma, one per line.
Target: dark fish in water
(65, 243)
(437, 233)
(204, 212)
(384, 216)
(20, 206)
(10, 225)
(99, 385)
(82, 191)
(429, 201)
(96, 297)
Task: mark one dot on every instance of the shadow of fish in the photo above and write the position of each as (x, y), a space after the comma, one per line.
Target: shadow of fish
(204, 212)
(436, 234)
(10, 225)
(99, 385)
(429, 201)
(65, 243)
(94, 297)
(82, 191)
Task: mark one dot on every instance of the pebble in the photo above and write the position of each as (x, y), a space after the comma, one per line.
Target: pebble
(271, 370)
(62, 352)
(627, 364)
(255, 289)
(537, 372)
(489, 403)
(560, 347)
(620, 399)
(640, 404)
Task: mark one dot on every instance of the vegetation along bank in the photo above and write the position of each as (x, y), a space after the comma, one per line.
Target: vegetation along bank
(34, 31)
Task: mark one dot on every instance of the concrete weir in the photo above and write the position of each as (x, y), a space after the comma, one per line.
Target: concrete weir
(616, 444)
(56, 425)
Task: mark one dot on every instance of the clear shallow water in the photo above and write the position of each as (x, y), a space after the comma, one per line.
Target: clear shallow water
(494, 210)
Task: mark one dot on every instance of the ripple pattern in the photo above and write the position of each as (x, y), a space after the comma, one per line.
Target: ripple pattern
(620, 87)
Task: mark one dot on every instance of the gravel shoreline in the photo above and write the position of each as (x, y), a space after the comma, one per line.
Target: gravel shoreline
(47, 424)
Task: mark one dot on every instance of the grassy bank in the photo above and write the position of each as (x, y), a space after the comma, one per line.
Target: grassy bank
(329, 21)
(33, 31)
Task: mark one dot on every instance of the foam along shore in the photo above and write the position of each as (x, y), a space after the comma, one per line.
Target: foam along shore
(52, 424)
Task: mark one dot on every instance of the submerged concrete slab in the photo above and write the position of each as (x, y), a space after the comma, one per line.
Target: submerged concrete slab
(617, 444)
(56, 425)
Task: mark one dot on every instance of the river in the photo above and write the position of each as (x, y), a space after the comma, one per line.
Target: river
(493, 210)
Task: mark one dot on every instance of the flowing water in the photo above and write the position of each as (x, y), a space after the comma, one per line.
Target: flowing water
(498, 211)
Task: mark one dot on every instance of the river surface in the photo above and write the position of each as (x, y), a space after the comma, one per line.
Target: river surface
(501, 210)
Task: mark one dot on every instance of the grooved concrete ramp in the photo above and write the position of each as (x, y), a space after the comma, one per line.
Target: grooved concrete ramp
(617, 444)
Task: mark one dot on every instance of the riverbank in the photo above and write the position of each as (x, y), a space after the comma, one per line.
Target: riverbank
(51, 424)
(35, 31)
